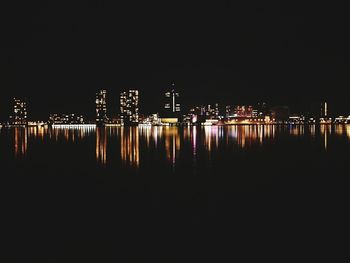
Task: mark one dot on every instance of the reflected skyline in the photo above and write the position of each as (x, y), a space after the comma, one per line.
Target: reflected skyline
(172, 144)
(297, 130)
(248, 135)
(131, 144)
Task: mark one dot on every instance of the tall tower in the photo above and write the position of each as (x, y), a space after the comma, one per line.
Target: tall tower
(172, 106)
(324, 110)
(129, 107)
(19, 112)
(101, 107)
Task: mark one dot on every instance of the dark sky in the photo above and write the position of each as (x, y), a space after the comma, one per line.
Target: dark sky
(58, 54)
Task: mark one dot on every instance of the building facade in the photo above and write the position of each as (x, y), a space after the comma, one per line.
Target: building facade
(101, 107)
(19, 116)
(324, 110)
(172, 106)
(129, 107)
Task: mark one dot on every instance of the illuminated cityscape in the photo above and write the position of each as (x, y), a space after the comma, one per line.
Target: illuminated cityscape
(246, 126)
(174, 131)
(171, 114)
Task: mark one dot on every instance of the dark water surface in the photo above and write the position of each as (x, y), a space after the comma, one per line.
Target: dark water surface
(238, 158)
(87, 189)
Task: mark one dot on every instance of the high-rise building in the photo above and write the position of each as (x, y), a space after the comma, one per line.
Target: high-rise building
(129, 107)
(325, 118)
(324, 110)
(101, 107)
(19, 116)
(172, 106)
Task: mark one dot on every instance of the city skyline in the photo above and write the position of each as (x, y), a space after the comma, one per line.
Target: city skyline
(169, 106)
(264, 52)
(170, 113)
(183, 122)
(41, 108)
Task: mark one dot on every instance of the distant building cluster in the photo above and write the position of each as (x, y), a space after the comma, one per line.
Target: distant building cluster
(56, 119)
(171, 113)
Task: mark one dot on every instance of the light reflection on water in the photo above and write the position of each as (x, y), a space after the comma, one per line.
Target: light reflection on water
(342, 130)
(132, 142)
(297, 130)
(101, 145)
(326, 131)
(20, 141)
(172, 143)
(69, 134)
(248, 135)
(129, 146)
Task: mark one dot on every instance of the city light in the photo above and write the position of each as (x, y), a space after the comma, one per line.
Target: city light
(129, 107)
(171, 114)
(101, 107)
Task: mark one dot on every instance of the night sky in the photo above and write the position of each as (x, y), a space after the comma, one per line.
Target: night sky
(59, 54)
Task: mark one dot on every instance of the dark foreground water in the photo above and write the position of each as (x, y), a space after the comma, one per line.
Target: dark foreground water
(230, 158)
(71, 195)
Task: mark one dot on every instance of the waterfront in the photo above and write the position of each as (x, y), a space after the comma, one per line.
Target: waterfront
(89, 189)
(151, 151)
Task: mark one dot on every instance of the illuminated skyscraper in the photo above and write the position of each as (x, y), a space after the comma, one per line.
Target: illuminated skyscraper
(101, 107)
(172, 106)
(19, 112)
(324, 110)
(129, 107)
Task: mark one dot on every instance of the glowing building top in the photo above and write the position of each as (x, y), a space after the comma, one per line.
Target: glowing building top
(324, 110)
